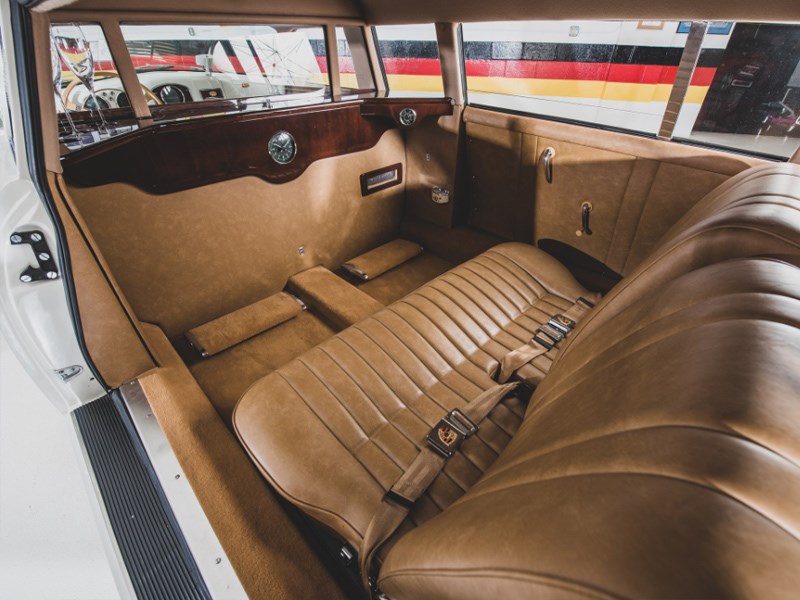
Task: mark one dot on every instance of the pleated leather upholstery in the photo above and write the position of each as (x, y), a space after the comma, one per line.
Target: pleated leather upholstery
(666, 464)
(334, 429)
(660, 455)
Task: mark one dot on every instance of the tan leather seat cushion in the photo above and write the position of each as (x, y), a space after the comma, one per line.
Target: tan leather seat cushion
(658, 457)
(334, 429)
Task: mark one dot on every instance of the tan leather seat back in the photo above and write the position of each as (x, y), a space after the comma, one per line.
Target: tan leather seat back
(659, 459)
(756, 213)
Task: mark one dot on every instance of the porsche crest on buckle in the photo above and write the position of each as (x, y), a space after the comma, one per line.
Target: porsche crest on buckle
(448, 434)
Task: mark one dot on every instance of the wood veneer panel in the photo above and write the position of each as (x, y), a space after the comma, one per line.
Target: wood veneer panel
(170, 157)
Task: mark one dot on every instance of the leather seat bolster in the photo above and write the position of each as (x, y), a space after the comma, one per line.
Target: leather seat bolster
(665, 463)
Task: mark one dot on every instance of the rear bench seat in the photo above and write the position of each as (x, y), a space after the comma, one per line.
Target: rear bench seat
(659, 456)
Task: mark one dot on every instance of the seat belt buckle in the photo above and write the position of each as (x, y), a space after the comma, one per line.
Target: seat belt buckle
(449, 433)
(543, 340)
(562, 323)
(554, 333)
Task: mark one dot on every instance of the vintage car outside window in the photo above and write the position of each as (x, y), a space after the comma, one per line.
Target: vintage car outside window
(410, 56)
(230, 68)
(90, 100)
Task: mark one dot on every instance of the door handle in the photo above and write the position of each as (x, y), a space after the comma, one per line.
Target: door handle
(547, 160)
(586, 209)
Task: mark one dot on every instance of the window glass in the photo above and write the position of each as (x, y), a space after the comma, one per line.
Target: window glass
(410, 57)
(279, 65)
(89, 96)
(749, 96)
(354, 69)
(612, 73)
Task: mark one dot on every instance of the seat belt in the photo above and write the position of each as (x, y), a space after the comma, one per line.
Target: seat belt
(443, 441)
(545, 339)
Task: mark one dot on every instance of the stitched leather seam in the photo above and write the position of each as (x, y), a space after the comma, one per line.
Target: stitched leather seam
(466, 353)
(489, 255)
(532, 276)
(452, 299)
(370, 435)
(467, 330)
(500, 285)
(440, 380)
(440, 405)
(591, 367)
(325, 424)
(469, 313)
(677, 310)
(451, 368)
(491, 301)
(673, 478)
(546, 580)
(528, 457)
(631, 279)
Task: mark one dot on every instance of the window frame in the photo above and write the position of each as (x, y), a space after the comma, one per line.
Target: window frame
(145, 117)
(594, 125)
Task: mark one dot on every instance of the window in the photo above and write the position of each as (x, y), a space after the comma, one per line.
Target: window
(354, 70)
(278, 65)
(750, 96)
(89, 96)
(612, 73)
(410, 56)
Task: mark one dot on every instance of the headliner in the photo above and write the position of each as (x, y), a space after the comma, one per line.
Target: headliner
(427, 11)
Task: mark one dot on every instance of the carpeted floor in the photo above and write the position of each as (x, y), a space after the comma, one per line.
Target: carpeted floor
(224, 377)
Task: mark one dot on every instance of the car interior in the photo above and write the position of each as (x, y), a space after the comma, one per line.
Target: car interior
(410, 345)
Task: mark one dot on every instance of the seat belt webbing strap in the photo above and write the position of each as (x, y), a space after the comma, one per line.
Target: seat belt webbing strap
(399, 500)
(542, 341)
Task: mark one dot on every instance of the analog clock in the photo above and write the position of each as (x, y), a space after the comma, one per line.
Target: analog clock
(282, 147)
(408, 116)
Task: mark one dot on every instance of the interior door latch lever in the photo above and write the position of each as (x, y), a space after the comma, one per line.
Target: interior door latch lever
(547, 160)
(586, 209)
(46, 269)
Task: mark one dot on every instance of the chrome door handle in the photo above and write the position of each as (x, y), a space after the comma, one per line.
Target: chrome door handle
(547, 161)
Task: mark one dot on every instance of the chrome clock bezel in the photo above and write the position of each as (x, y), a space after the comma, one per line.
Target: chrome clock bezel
(408, 116)
(278, 145)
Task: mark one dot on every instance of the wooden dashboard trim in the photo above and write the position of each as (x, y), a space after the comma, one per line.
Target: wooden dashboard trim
(170, 157)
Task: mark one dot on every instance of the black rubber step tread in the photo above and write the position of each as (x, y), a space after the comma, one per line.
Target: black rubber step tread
(155, 553)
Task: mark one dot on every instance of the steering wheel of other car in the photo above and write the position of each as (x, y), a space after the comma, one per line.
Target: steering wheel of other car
(148, 93)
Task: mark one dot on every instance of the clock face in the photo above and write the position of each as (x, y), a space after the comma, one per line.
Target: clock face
(408, 116)
(282, 148)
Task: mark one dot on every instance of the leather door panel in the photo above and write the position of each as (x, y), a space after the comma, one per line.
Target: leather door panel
(638, 187)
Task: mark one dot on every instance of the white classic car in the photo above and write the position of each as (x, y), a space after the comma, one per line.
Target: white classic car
(529, 328)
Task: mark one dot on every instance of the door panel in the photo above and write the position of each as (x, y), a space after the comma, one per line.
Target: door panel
(495, 180)
(581, 174)
(638, 187)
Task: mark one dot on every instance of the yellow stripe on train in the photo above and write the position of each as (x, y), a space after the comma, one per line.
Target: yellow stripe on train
(605, 90)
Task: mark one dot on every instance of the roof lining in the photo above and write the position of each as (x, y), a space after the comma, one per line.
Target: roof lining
(383, 12)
